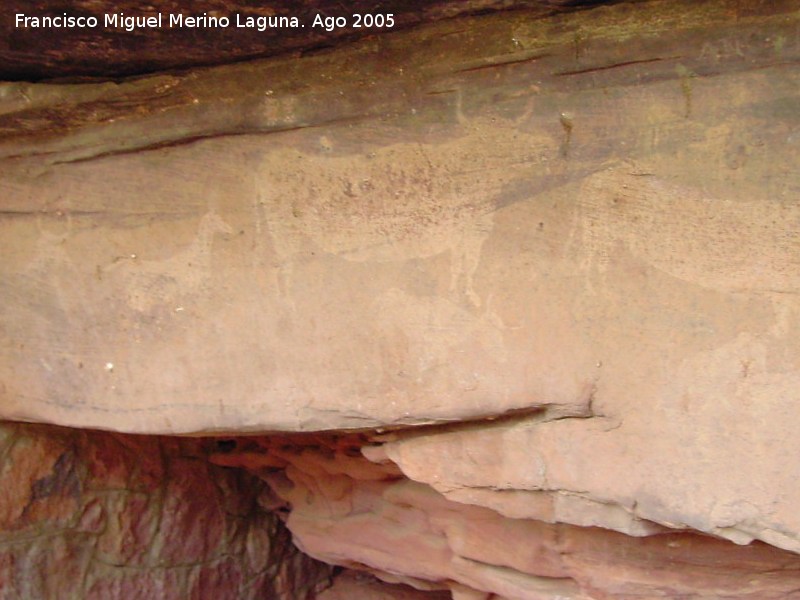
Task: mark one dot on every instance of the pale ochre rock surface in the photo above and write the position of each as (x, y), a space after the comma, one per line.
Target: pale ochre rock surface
(526, 222)
(366, 515)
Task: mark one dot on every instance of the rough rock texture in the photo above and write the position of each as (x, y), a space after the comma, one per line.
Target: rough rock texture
(28, 53)
(526, 222)
(353, 585)
(367, 515)
(576, 236)
(90, 515)
(592, 215)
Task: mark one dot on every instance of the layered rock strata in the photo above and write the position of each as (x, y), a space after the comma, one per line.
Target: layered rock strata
(91, 514)
(481, 542)
(563, 250)
(350, 585)
(119, 46)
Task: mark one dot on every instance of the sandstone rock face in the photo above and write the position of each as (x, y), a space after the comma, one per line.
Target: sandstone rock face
(367, 515)
(350, 585)
(89, 515)
(526, 223)
(556, 261)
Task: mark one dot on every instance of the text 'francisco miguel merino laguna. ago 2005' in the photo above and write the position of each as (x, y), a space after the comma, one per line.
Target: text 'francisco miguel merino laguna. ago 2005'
(204, 21)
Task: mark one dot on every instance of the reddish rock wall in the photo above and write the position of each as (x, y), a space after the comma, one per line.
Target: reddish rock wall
(97, 516)
(563, 250)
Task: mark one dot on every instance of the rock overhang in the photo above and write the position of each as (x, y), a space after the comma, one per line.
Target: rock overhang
(571, 238)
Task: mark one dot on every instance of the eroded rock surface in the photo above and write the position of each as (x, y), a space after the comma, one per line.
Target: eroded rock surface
(574, 239)
(369, 237)
(99, 515)
(351, 585)
(368, 515)
(90, 515)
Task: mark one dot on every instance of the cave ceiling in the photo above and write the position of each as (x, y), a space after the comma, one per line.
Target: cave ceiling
(26, 54)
